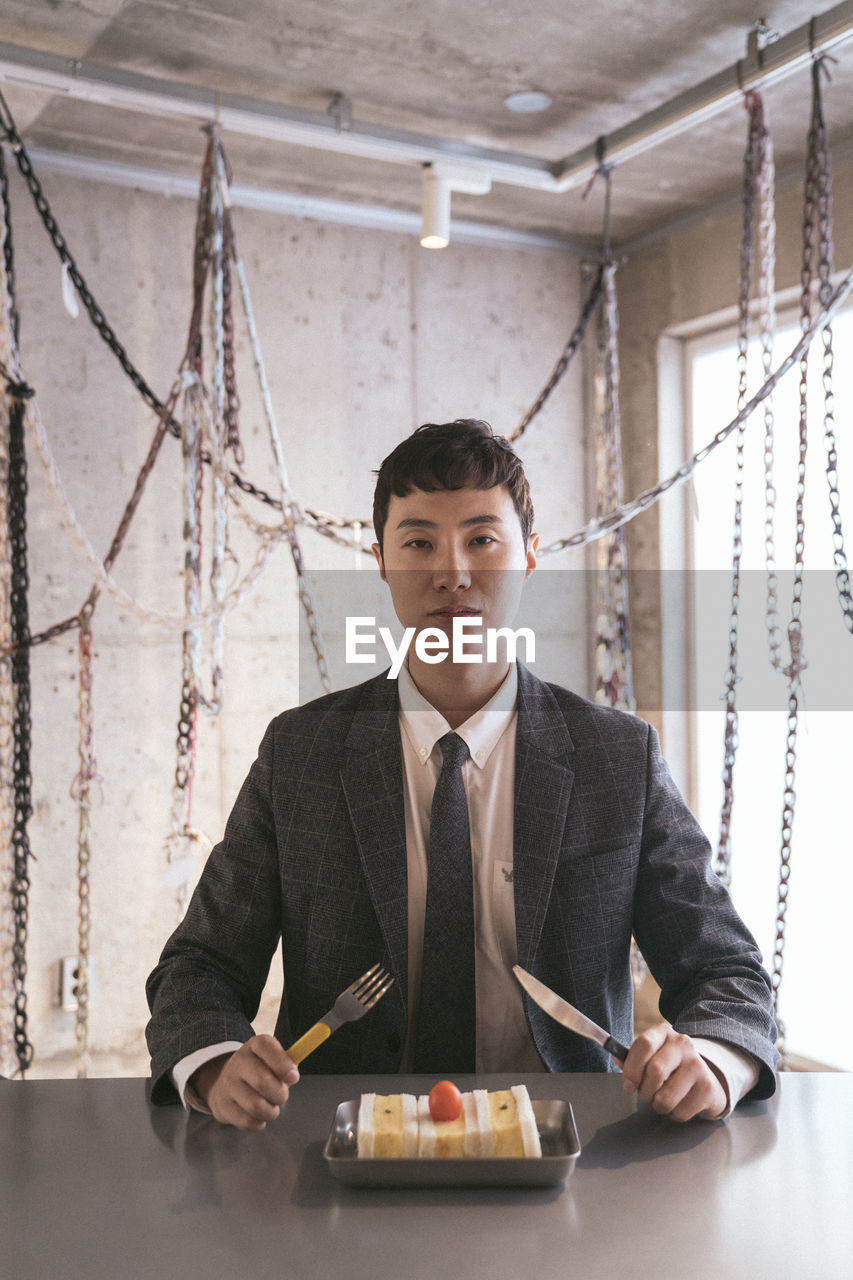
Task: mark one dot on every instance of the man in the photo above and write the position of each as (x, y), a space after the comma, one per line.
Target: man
(578, 837)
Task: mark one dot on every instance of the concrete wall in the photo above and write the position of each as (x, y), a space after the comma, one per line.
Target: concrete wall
(365, 335)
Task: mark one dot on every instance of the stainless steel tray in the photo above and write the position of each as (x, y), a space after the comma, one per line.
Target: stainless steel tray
(560, 1149)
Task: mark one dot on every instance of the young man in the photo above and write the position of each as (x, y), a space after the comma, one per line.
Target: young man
(578, 837)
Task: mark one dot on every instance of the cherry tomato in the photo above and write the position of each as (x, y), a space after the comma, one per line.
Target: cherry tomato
(445, 1101)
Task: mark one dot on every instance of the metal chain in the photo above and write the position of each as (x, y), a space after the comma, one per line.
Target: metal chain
(292, 512)
(90, 305)
(19, 630)
(614, 682)
(8, 1057)
(565, 359)
(232, 399)
(10, 304)
(181, 833)
(328, 525)
(795, 626)
(817, 220)
(104, 566)
(766, 180)
(20, 662)
(648, 497)
(823, 202)
(93, 310)
(81, 792)
(220, 430)
(323, 524)
(165, 412)
(186, 741)
(7, 810)
(751, 177)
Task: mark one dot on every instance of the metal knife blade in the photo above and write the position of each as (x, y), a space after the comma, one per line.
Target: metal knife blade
(566, 1014)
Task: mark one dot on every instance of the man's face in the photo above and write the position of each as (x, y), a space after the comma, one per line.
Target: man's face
(455, 552)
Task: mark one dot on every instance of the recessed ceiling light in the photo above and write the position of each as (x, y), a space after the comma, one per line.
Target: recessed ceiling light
(528, 101)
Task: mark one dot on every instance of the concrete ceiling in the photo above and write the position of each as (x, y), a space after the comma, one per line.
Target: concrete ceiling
(441, 69)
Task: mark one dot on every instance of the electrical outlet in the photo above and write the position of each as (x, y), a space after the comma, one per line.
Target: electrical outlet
(68, 975)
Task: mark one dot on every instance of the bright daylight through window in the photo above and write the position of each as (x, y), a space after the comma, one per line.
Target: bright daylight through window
(818, 954)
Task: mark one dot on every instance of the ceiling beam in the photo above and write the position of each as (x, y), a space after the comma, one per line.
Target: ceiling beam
(79, 78)
(110, 86)
(761, 67)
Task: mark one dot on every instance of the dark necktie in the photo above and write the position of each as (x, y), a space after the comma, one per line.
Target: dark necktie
(446, 1018)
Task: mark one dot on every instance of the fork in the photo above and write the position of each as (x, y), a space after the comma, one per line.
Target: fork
(350, 1005)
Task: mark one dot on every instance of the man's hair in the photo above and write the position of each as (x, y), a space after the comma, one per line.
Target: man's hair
(452, 455)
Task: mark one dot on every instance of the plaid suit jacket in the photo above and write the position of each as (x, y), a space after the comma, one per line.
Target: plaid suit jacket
(314, 853)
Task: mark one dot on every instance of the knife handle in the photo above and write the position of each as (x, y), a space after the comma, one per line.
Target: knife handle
(618, 1050)
(312, 1040)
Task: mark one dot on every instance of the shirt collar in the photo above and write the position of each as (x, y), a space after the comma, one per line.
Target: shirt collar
(482, 731)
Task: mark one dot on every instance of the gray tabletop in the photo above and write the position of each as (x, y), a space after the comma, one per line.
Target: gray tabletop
(95, 1182)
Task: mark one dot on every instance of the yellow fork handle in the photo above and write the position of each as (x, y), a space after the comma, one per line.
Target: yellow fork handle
(312, 1040)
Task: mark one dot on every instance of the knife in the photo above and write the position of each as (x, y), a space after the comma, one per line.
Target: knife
(566, 1014)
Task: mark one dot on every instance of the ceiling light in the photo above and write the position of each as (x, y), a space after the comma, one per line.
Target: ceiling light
(435, 231)
(438, 180)
(528, 102)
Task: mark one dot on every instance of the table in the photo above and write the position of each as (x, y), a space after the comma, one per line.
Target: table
(95, 1182)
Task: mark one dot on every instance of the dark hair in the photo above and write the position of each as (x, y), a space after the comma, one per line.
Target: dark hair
(452, 455)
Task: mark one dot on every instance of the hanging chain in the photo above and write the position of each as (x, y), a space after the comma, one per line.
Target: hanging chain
(19, 630)
(232, 399)
(97, 317)
(614, 683)
(81, 791)
(90, 305)
(325, 525)
(823, 201)
(648, 497)
(766, 182)
(9, 297)
(7, 808)
(614, 679)
(292, 512)
(21, 728)
(8, 915)
(565, 358)
(93, 310)
(329, 526)
(182, 837)
(817, 221)
(752, 176)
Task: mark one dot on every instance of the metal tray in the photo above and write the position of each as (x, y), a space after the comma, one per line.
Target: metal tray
(555, 1121)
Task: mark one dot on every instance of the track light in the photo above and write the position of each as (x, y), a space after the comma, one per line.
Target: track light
(438, 181)
(435, 231)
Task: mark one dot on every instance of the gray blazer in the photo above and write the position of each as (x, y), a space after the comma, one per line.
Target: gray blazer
(314, 852)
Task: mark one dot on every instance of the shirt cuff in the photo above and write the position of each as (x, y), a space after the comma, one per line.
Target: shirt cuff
(182, 1071)
(736, 1070)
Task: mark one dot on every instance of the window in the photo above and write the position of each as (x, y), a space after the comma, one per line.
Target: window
(818, 953)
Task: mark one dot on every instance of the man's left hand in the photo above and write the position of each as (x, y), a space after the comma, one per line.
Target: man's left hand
(666, 1069)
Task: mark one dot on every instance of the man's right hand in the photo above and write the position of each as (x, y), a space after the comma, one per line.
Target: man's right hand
(249, 1087)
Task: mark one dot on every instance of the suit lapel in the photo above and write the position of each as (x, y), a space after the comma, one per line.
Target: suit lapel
(372, 781)
(543, 785)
